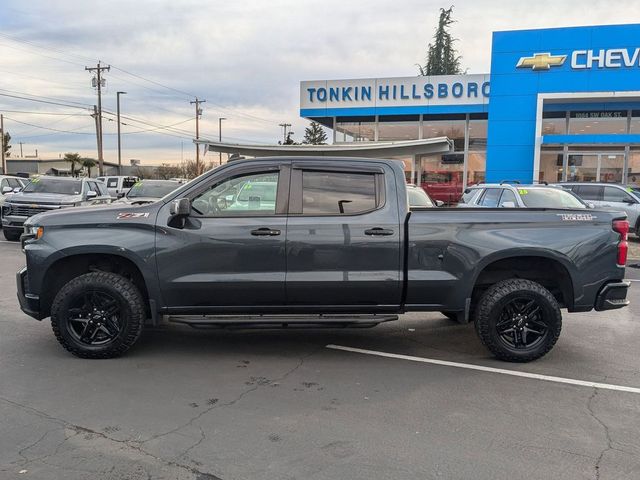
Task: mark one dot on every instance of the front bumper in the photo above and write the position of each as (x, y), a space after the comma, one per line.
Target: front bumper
(612, 296)
(13, 221)
(29, 303)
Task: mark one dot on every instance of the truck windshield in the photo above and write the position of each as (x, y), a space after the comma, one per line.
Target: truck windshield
(54, 185)
(152, 189)
(549, 198)
(418, 197)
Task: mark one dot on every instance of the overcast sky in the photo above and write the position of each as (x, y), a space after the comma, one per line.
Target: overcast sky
(246, 58)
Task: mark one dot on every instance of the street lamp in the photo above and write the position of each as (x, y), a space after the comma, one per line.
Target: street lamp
(220, 136)
(119, 144)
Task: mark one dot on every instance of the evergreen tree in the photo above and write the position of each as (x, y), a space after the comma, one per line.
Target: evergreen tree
(442, 57)
(7, 145)
(314, 135)
(289, 140)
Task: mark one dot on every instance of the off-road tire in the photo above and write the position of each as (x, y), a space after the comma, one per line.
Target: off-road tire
(11, 235)
(490, 306)
(132, 311)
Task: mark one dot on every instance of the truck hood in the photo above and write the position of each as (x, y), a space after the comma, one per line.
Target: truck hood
(99, 214)
(43, 198)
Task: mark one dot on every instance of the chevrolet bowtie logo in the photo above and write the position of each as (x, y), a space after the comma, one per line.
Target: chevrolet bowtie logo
(541, 61)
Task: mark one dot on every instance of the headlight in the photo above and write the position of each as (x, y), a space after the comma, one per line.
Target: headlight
(34, 231)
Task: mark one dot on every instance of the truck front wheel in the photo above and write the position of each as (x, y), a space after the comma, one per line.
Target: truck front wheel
(98, 315)
(518, 320)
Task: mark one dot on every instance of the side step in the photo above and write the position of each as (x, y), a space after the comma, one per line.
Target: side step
(282, 321)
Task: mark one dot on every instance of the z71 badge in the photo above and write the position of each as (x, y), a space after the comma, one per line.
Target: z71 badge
(577, 217)
(128, 215)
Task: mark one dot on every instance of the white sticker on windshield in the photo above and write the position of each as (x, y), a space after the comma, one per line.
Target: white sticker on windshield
(127, 215)
(576, 217)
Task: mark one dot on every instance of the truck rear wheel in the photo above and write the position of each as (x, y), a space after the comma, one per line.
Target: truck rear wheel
(11, 234)
(98, 315)
(518, 320)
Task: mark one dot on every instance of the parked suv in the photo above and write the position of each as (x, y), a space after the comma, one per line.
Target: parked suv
(507, 195)
(624, 198)
(10, 184)
(44, 194)
(118, 185)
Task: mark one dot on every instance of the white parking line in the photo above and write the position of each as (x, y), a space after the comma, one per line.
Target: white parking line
(469, 366)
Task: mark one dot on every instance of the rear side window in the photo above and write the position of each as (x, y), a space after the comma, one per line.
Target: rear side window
(112, 182)
(128, 182)
(589, 192)
(338, 193)
(491, 197)
(508, 196)
(613, 194)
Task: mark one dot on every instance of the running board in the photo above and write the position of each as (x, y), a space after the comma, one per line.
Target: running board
(282, 321)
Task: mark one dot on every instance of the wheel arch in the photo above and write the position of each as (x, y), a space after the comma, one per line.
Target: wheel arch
(553, 271)
(75, 263)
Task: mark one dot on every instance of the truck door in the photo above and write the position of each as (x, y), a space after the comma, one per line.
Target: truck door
(231, 250)
(343, 236)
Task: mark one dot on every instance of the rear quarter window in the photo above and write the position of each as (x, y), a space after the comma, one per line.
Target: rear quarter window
(469, 195)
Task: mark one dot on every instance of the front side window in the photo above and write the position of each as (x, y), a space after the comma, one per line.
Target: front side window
(128, 182)
(469, 195)
(249, 194)
(112, 183)
(612, 194)
(338, 193)
(491, 197)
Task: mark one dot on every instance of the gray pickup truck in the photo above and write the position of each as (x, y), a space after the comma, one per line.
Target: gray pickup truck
(316, 241)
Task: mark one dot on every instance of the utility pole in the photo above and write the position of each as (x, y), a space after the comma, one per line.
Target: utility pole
(220, 136)
(20, 149)
(98, 136)
(284, 131)
(98, 83)
(119, 144)
(4, 165)
(198, 113)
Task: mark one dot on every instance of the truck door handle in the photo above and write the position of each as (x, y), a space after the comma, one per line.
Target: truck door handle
(265, 232)
(378, 231)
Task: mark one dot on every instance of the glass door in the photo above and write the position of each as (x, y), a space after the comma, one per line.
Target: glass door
(595, 167)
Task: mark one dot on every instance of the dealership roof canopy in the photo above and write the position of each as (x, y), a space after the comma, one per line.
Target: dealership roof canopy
(358, 149)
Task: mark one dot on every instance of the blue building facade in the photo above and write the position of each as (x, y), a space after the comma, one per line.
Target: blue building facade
(559, 104)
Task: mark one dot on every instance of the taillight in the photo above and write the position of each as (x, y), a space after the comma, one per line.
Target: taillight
(622, 227)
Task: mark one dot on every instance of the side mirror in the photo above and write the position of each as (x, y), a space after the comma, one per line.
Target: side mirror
(439, 203)
(120, 195)
(629, 201)
(591, 205)
(91, 194)
(17, 189)
(180, 208)
(6, 190)
(508, 205)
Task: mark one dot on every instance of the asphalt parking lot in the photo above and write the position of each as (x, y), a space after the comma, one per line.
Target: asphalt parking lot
(191, 404)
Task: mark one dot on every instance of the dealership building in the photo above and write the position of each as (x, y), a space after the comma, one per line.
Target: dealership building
(558, 104)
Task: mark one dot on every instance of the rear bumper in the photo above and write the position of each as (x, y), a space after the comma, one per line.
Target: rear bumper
(612, 296)
(29, 303)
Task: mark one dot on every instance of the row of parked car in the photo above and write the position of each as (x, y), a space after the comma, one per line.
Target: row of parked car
(23, 198)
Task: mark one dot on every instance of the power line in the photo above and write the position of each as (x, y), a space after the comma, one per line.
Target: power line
(41, 113)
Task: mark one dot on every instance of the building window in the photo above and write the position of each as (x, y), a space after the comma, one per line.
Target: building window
(478, 134)
(554, 123)
(598, 122)
(355, 129)
(550, 165)
(398, 127)
(635, 121)
(451, 127)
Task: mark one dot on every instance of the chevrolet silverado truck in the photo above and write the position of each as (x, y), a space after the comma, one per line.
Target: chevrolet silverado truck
(44, 194)
(316, 242)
